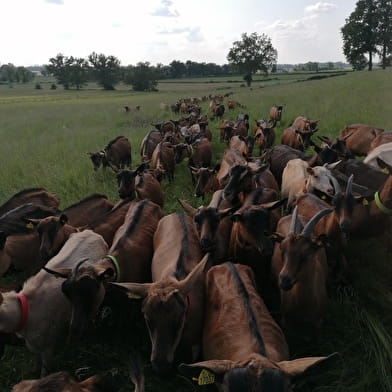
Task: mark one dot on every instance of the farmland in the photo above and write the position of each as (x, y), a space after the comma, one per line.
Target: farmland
(46, 135)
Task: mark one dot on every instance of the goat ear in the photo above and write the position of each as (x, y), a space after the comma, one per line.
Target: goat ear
(310, 170)
(104, 273)
(193, 277)
(187, 207)
(307, 366)
(132, 290)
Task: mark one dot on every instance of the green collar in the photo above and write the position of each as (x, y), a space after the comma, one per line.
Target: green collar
(116, 266)
(381, 206)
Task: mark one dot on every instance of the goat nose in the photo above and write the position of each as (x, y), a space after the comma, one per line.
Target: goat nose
(285, 283)
(206, 244)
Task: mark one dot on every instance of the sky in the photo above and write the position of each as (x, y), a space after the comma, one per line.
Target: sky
(160, 31)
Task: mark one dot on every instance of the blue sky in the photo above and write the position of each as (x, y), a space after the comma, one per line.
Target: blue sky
(159, 31)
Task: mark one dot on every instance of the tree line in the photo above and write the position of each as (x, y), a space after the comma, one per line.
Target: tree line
(74, 72)
(11, 74)
(368, 32)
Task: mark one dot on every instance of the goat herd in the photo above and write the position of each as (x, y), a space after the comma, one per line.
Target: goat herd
(209, 278)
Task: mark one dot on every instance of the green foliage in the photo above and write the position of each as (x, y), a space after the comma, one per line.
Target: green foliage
(368, 31)
(142, 77)
(9, 73)
(253, 53)
(384, 30)
(69, 71)
(105, 70)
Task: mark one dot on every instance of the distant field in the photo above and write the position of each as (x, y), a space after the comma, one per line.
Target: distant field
(46, 135)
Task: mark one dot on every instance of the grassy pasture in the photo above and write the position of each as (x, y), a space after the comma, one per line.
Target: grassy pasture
(47, 133)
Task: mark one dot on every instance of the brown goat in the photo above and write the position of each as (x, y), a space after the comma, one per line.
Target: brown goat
(141, 184)
(213, 225)
(359, 137)
(148, 144)
(116, 154)
(173, 304)
(300, 267)
(128, 260)
(163, 162)
(38, 196)
(244, 349)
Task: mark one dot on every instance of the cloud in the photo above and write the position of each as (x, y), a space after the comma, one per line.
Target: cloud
(165, 11)
(59, 2)
(195, 35)
(320, 7)
(178, 30)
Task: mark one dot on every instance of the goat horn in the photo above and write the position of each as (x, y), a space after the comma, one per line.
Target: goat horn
(307, 230)
(76, 267)
(349, 187)
(294, 218)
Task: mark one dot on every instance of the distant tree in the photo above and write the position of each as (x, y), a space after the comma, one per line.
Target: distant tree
(253, 53)
(384, 30)
(69, 71)
(23, 75)
(105, 70)
(80, 71)
(177, 69)
(8, 73)
(142, 77)
(59, 67)
(360, 34)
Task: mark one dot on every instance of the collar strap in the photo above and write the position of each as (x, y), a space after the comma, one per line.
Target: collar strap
(116, 266)
(25, 311)
(381, 206)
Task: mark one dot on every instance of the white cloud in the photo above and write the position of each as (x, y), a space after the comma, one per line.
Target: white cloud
(320, 7)
(195, 35)
(60, 2)
(165, 10)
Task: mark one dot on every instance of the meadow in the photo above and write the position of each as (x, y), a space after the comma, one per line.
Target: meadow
(46, 135)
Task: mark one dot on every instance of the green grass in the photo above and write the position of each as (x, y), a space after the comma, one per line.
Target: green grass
(47, 133)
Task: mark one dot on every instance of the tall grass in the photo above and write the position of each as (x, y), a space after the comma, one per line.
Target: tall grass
(45, 137)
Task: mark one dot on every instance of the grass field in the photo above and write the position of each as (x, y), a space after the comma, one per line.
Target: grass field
(47, 133)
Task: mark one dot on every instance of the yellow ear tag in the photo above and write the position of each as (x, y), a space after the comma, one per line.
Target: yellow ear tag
(133, 295)
(385, 170)
(29, 225)
(206, 377)
(365, 202)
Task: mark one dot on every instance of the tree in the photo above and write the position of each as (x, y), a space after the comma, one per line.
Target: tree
(105, 70)
(360, 34)
(177, 69)
(253, 53)
(8, 73)
(69, 71)
(384, 30)
(142, 77)
(23, 75)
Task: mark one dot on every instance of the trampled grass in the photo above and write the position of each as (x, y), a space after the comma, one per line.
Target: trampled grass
(45, 137)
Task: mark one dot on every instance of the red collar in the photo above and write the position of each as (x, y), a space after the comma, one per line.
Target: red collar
(25, 311)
